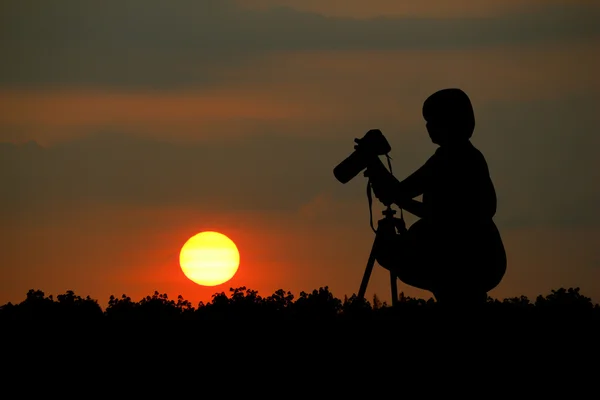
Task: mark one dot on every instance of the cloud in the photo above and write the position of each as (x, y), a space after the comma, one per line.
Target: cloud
(310, 94)
(259, 173)
(543, 157)
(429, 8)
(148, 44)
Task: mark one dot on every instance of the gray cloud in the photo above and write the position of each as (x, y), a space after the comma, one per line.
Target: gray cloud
(542, 157)
(147, 43)
(265, 172)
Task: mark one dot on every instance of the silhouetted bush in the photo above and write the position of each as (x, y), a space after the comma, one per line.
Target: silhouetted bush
(244, 304)
(67, 306)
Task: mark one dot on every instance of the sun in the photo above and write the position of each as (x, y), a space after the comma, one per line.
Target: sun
(209, 258)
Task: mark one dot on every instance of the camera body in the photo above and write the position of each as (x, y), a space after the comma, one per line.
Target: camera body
(369, 147)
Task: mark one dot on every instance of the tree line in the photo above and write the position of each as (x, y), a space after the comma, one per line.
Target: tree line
(244, 303)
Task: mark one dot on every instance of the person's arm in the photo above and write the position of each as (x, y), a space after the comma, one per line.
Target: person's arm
(389, 190)
(411, 187)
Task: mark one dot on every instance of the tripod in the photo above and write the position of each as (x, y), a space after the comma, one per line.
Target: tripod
(388, 225)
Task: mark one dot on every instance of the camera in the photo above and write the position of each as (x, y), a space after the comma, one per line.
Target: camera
(367, 148)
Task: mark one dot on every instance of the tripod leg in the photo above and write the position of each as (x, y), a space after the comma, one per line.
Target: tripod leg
(367, 275)
(394, 282)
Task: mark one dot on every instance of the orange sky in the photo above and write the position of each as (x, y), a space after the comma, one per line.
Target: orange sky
(146, 145)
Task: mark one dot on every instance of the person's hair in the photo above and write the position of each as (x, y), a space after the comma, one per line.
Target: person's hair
(451, 107)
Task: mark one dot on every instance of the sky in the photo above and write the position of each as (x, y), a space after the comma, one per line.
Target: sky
(126, 127)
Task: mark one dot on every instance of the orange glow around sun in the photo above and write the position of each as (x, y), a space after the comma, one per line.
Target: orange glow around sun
(209, 258)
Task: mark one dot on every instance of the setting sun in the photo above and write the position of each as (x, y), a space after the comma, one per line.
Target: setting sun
(209, 258)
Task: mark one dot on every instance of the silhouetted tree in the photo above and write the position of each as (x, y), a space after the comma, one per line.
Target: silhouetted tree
(121, 309)
(520, 302)
(157, 306)
(318, 304)
(184, 307)
(72, 306)
(377, 304)
(245, 303)
(37, 305)
(565, 299)
(355, 307)
(279, 304)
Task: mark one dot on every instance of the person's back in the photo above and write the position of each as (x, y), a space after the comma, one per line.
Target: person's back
(459, 187)
(460, 200)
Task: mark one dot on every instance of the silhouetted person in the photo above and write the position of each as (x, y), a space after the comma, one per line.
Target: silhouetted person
(454, 250)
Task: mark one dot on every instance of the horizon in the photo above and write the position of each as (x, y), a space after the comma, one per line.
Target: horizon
(566, 297)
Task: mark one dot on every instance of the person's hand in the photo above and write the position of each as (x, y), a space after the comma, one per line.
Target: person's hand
(383, 189)
(382, 182)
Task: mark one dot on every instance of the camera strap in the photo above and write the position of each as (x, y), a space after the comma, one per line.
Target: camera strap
(370, 195)
(370, 198)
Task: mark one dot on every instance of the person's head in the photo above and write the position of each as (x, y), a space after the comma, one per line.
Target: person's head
(449, 115)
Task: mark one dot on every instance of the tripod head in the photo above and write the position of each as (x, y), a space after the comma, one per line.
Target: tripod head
(390, 224)
(389, 212)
